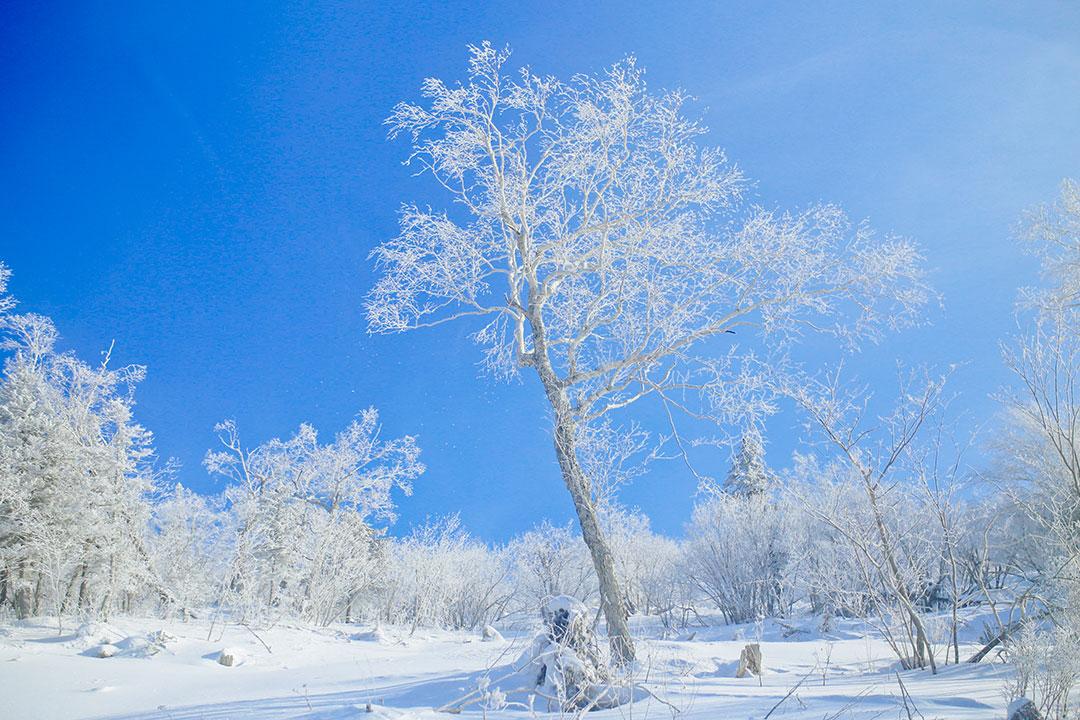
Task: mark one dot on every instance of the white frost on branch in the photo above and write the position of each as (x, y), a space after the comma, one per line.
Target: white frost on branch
(589, 212)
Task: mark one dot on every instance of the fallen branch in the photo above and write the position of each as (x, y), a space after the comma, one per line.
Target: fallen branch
(1003, 636)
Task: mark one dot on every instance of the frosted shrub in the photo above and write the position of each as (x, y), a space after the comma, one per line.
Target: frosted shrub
(187, 544)
(551, 560)
(1047, 667)
(440, 576)
(647, 563)
(740, 552)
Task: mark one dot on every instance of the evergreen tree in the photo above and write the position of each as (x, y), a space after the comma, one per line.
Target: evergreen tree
(749, 475)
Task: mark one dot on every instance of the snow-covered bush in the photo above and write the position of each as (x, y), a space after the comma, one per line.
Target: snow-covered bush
(741, 552)
(440, 576)
(1047, 669)
(647, 563)
(551, 560)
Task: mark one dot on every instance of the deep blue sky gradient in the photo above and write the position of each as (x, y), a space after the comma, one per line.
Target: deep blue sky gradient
(203, 182)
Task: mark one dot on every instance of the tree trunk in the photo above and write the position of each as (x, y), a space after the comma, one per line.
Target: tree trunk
(923, 650)
(23, 607)
(84, 598)
(612, 600)
(611, 596)
(38, 592)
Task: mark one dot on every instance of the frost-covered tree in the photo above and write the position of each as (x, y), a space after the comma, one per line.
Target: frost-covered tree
(76, 472)
(1052, 232)
(1038, 458)
(1039, 453)
(749, 475)
(190, 548)
(7, 302)
(601, 247)
(884, 522)
(303, 514)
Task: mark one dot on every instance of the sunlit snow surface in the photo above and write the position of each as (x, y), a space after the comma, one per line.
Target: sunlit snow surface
(342, 671)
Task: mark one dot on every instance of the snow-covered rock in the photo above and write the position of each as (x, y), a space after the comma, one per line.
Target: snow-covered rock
(490, 634)
(105, 650)
(749, 661)
(228, 657)
(1022, 709)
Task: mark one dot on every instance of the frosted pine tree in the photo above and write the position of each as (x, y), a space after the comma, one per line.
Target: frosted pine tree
(749, 475)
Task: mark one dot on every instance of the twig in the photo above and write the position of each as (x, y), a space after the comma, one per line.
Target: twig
(905, 695)
(857, 699)
(790, 692)
(660, 700)
(248, 628)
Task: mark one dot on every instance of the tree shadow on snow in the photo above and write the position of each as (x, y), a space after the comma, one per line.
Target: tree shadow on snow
(387, 701)
(428, 692)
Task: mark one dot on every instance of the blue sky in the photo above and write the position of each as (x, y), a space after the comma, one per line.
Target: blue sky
(203, 182)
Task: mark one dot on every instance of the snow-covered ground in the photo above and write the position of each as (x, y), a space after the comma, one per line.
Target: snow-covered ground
(349, 671)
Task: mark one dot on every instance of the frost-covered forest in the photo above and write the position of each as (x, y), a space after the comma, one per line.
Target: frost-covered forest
(606, 257)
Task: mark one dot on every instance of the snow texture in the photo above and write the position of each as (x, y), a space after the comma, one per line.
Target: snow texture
(319, 673)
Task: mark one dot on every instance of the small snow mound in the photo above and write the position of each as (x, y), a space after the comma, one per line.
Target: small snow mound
(377, 635)
(137, 646)
(91, 634)
(229, 657)
(490, 634)
(88, 630)
(133, 646)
